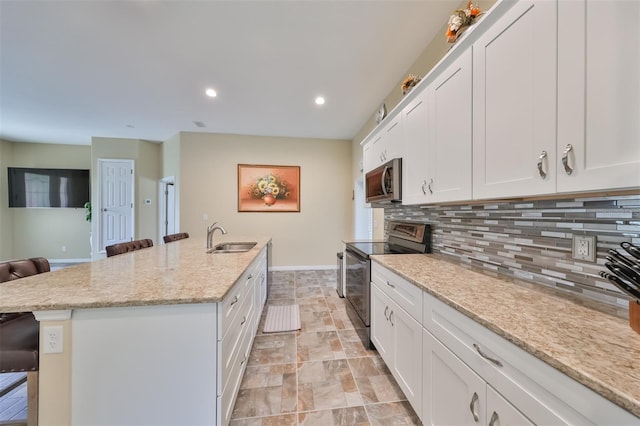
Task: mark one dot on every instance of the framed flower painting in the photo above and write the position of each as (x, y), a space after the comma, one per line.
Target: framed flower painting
(268, 188)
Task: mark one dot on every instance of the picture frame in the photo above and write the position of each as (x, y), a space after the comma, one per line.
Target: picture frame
(268, 188)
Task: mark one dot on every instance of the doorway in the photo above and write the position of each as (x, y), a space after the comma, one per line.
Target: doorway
(116, 215)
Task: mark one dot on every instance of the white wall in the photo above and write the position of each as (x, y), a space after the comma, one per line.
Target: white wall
(208, 185)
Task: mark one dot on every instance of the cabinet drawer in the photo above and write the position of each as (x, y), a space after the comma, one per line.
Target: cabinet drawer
(232, 302)
(231, 344)
(227, 397)
(542, 393)
(401, 291)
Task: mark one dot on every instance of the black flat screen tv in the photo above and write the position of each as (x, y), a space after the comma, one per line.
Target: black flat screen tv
(31, 187)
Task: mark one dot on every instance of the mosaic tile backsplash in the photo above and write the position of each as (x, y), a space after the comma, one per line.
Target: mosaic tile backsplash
(532, 240)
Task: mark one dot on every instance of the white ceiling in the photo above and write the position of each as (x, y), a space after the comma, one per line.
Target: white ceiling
(70, 70)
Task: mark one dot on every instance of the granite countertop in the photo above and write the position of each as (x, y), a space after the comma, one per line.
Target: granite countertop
(597, 349)
(174, 273)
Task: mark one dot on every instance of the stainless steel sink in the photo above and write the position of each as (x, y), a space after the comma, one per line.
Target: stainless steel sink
(232, 247)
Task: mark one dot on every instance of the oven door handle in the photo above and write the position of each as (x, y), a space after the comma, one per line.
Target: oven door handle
(383, 178)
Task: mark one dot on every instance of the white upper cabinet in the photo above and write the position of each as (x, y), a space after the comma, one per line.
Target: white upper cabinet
(415, 164)
(450, 132)
(437, 127)
(514, 103)
(598, 95)
(386, 144)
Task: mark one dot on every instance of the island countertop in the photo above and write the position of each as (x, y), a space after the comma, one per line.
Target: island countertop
(597, 349)
(175, 273)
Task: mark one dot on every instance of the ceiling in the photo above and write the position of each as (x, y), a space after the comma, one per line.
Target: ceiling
(70, 70)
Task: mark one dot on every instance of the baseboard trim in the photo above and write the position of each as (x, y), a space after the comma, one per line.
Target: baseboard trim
(303, 268)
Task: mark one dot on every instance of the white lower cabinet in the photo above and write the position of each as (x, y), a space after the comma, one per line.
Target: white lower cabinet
(455, 371)
(241, 309)
(398, 338)
(454, 394)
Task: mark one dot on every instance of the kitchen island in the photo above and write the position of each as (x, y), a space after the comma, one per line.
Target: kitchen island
(155, 336)
(485, 320)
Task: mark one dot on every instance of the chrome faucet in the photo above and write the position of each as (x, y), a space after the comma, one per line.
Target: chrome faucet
(210, 230)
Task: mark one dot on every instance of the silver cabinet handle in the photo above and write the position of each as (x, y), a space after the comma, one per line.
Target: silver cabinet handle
(385, 313)
(424, 191)
(494, 418)
(390, 285)
(235, 300)
(472, 407)
(250, 276)
(543, 155)
(390, 315)
(430, 186)
(487, 357)
(565, 159)
(244, 319)
(243, 360)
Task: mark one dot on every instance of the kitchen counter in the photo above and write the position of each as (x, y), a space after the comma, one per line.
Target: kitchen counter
(176, 273)
(597, 349)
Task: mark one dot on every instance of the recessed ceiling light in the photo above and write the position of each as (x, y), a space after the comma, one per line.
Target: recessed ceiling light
(319, 100)
(211, 93)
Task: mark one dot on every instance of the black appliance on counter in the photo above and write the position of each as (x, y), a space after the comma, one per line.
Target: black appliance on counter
(403, 238)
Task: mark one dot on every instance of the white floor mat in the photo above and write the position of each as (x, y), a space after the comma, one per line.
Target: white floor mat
(282, 318)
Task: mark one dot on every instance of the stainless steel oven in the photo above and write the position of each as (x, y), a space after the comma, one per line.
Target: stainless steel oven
(358, 276)
(403, 238)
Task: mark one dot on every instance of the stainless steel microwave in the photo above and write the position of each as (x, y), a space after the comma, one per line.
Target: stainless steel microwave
(384, 184)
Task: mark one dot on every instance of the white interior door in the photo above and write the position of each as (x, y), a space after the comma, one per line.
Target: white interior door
(116, 201)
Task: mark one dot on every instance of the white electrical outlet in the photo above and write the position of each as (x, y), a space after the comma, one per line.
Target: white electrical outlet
(584, 248)
(53, 339)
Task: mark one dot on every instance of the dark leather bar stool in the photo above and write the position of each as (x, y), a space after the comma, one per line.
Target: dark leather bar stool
(128, 246)
(20, 334)
(175, 237)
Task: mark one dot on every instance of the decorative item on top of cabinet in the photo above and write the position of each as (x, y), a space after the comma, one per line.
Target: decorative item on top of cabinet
(460, 20)
(381, 113)
(409, 83)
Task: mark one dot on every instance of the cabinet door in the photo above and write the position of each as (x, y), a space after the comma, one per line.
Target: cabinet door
(393, 139)
(381, 331)
(450, 127)
(514, 103)
(501, 413)
(598, 94)
(407, 355)
(415, 162)
(368, 161)
(453, 394)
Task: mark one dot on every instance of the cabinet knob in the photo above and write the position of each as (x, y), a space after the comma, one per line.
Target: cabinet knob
(565, 159)
(430, 186)
(390, 320)
(495, 419)
(542, 156)
(385, 313)
(473, 407)
(424, 183)
(390, 285)
(235, 300)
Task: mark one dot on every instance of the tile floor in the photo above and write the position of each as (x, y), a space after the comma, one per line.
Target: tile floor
(321, 374)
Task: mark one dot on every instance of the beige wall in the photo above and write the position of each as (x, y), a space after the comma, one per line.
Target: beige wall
(54, 233)
(147, 157)
(208, 185)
